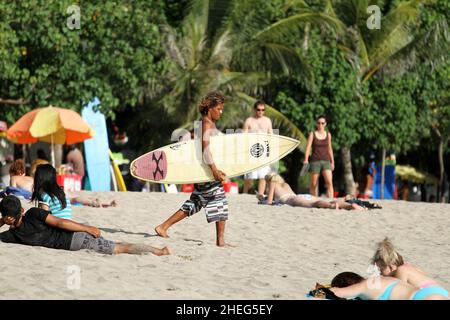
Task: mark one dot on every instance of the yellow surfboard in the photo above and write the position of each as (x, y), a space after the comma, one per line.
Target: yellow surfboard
(234, 154)
(117, 174)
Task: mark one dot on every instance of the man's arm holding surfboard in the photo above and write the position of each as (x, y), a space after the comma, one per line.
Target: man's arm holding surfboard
(207, 156)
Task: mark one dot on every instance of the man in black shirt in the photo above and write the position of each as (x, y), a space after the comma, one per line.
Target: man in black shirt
(38, 227)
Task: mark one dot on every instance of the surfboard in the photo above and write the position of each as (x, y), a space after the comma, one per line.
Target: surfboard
(96, 149)
(234, 154)
(118, 178)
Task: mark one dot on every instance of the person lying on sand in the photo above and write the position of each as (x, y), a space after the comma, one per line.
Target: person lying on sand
(280, 190)
(351, 285)
(38, 227)
(91, 201)
(48, 195)
(391, 263)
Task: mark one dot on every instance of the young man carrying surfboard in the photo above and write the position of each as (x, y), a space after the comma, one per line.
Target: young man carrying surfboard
(209, 195)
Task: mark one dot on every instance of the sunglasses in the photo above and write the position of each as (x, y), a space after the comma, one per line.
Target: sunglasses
(260, 109)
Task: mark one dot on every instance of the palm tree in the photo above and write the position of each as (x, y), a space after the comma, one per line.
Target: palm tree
(370, 51)
(239, 62)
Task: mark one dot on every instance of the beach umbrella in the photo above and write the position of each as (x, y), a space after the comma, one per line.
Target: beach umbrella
(51, 125)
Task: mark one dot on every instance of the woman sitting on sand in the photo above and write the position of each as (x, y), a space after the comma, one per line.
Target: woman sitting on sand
(18, 178)
(352, 285)
(51, 197)
(280, 190)
(391, 263)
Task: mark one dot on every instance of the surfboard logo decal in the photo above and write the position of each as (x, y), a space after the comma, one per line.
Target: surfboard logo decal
(257, 150)
(159, 165)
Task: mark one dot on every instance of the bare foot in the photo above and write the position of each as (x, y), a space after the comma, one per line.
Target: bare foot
(225, 245)
(164, 251)
(138, 248)
(161, 232)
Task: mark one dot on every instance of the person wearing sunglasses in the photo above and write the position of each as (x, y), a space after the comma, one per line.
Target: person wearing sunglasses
(322, 158)
(262, 124)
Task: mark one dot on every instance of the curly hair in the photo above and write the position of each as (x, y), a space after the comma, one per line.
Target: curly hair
(17, 168)
(210, 100)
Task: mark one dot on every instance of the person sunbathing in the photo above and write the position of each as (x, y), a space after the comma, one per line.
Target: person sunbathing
(90, 201)
(352, 285)
(280, 191)
(18, 178)
(37, 227)
(391, 263)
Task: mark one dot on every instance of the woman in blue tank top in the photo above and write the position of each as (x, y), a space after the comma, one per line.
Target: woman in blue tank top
(48, 194)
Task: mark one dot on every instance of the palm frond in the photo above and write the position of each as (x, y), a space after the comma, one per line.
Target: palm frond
(222, 51)
(432, 45)
(286, 27)
(171, 46)
(395, 34)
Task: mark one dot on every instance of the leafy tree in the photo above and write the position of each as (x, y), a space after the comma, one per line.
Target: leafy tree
(114, 55)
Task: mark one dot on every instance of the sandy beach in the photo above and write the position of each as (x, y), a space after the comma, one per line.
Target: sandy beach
(281, 251)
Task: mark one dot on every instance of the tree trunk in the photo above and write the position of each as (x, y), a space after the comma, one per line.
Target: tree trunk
(348, 173)
(58, 155)
(441, 143)
(383, 171)
(441, 190)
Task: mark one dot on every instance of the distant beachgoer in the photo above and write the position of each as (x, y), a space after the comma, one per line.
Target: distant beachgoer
(41, 159)
(4, 171)
(76, 160)
(38, 227)
(260, 124)
(322, 158)
(50, 196)
(370, 171)
(279, 189)
(210, 195)
(18, 178)
(391, 263)
(352, 285)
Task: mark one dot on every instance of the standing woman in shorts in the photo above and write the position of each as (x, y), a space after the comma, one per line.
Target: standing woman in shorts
(322, 159)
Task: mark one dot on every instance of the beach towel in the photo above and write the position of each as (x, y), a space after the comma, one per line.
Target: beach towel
(274, 202)
(262, 199)
(18, 192)
(365, 204)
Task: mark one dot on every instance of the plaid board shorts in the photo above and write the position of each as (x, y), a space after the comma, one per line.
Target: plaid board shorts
(210, 196)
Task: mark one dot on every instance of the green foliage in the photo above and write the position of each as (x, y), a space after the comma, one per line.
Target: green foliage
(114, 55)
(334, 94)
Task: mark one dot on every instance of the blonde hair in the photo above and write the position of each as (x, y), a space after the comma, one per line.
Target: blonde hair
(386, 255)
(275, 177)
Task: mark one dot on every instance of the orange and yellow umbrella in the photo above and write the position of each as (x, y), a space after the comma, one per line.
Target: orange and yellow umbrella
(52, 125)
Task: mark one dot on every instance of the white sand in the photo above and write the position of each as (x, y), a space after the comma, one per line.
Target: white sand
(281, 251)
